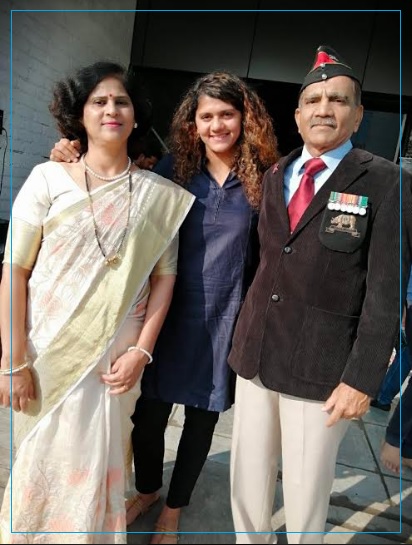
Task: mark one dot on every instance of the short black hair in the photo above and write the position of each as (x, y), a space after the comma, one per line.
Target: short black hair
(71, 94)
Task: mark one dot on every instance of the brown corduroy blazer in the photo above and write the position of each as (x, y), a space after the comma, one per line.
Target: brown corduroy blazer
(315, 316)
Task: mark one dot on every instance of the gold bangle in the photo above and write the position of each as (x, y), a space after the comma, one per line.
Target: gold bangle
(12, 370)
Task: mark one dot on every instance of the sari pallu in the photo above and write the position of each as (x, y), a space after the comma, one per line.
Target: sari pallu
(79, 320)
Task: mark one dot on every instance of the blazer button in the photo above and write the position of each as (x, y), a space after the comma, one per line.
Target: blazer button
(287, 249)
(275, 298)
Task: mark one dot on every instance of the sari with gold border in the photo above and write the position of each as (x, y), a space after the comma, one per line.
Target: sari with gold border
(77, 308)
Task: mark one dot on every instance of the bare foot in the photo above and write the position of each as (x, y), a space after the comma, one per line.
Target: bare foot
(390, 457)
(168, 521)
(407, 462)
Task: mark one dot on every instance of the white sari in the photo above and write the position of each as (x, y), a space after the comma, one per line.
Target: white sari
(70, 471)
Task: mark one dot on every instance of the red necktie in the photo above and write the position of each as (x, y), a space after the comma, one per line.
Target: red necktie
(305, 192)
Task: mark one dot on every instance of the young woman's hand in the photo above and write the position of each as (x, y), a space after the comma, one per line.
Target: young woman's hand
(125, 372)
(66, 151)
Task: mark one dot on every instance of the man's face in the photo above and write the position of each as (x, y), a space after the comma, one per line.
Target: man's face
(327, 115)
(146, 162)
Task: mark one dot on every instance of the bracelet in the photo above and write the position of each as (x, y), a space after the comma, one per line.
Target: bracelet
(148, 354)
(12, 370)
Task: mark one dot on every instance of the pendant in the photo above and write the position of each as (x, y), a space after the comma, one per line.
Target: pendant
(112, 260)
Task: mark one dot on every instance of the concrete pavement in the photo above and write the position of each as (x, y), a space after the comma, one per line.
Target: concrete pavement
(365, 498)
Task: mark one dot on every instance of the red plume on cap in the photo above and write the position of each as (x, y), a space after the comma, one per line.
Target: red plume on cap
(323, 58)
(327, 65)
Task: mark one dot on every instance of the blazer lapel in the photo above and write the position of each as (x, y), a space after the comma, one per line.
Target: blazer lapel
(278, 191)
(352, 166)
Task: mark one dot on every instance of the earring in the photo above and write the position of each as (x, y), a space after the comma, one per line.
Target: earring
(135, 125)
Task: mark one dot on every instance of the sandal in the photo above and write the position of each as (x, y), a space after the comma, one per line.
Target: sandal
(136, 506)
(168, 536)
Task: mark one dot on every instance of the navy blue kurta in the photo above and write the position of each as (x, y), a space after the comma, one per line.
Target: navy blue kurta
(217, 257)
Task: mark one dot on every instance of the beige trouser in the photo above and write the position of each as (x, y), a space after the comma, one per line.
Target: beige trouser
(267, 425)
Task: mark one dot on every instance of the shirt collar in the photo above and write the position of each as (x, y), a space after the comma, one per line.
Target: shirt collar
(331, 158)
(203, 167)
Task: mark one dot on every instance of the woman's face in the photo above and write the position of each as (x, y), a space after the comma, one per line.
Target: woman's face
(218, 125)
(108, 115)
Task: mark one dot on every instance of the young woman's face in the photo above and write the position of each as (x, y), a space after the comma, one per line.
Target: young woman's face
(218, 124)
(108, 114)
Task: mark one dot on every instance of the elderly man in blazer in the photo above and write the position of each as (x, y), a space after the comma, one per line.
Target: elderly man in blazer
(318, 325)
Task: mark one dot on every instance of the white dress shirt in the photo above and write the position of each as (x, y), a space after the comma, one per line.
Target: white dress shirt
(294, 172)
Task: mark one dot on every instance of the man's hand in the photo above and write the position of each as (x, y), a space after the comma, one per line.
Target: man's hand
(345, 402)
(66, 151)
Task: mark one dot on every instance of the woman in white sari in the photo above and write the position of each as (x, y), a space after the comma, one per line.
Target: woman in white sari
(88, 274)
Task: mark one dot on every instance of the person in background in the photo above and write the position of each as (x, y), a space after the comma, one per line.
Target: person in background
(221, 142)
(396, 375)
(316, 331)
(149, 153)
(92, 266)
(396, 450)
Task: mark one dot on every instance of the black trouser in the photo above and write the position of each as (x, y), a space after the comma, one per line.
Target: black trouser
(150, 421)
(399, 434)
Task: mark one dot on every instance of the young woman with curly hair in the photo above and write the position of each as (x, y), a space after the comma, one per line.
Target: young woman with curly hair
(252, 152)
(221, 142)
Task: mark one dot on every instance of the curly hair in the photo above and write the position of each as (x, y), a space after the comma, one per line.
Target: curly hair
(256, 148)
(71, 94)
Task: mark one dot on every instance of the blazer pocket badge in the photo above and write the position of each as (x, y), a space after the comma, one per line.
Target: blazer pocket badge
(344, 222)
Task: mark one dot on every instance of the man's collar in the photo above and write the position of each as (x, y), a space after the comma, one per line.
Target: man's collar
(330, 158)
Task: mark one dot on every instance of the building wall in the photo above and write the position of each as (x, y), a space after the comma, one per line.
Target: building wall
(273, 49)
(276, 45)
(46, 46)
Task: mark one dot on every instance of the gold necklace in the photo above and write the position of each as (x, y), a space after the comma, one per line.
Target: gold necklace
(112, 258)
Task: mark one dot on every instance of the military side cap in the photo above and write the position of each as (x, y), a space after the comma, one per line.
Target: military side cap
(328, 64)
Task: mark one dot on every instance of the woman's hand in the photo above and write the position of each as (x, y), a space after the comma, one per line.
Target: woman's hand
(22, 390)
(66, 151)
(125, 372)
